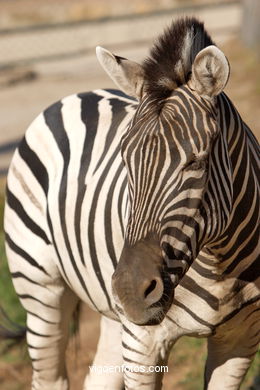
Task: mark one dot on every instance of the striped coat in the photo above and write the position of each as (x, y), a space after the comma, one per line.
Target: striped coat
(70, 218)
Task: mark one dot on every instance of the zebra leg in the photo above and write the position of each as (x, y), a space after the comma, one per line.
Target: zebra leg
(47, 337)
(230, 353)
(49, 304)
(106, 371)
(145, 353)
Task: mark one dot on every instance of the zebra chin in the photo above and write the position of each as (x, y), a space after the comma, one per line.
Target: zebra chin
(149, 316)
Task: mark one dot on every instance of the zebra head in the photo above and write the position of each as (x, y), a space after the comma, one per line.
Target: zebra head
(166, 151)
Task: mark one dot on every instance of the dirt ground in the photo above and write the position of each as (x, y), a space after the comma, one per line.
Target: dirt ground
(244, 90)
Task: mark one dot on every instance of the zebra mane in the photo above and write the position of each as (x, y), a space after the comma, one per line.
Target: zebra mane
(171, 57)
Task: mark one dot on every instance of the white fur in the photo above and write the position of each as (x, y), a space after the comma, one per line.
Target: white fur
(127, 75)
(210, 72)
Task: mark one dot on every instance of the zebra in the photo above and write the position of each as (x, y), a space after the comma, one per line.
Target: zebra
(143, 203)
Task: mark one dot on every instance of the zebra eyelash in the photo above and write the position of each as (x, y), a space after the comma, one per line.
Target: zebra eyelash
(196, 164)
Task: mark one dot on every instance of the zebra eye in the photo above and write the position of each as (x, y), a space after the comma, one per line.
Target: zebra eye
(196, 164)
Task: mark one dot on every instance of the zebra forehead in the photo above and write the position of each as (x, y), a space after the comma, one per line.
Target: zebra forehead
(169, 63)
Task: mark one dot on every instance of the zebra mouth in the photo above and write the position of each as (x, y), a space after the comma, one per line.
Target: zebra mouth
(155, 315)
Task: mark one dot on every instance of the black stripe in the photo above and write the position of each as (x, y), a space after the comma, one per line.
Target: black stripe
(250, 274)
(91, 226)
(192, 98)
(123, 189)
(193, 315)
(41, 370)
(41, 318)
(238, 309)
(108, 217)
(204, 272)
(32, 160)
(54, 120)
(137, 363)
(192, 286)
(118, 115)
(28, 296)
(229, 110)
(42, 359)
(212, 209)
(184, 123)
(120, 94)
(179, 235)
(131, 349)
(91, 239)
(16, 205)
(24, 254)
(34, 347)
(21, 275)
(90, 117)
(252, 313)
(128, 331)
(29, 330)
(244, 253)
(55, 245)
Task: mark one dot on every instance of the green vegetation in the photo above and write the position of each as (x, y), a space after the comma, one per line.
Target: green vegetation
(8, 298)
(188, 358)
(9, 302)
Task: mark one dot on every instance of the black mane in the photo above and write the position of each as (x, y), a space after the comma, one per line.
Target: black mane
(171, 57)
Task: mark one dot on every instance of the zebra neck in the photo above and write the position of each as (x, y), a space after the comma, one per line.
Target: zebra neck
(218, 197)
(236, 171)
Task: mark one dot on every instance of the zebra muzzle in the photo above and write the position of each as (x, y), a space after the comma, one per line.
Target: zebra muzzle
(140, 285)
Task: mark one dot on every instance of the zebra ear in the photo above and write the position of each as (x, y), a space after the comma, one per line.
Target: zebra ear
(126, 74)
(210, 72)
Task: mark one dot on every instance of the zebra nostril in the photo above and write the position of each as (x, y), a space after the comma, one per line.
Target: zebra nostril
(153, 292)
(150, 288)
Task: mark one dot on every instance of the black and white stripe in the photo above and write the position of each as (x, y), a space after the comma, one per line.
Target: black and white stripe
(97, 170)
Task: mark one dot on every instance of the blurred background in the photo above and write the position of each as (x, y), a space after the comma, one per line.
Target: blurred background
(47, 51)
